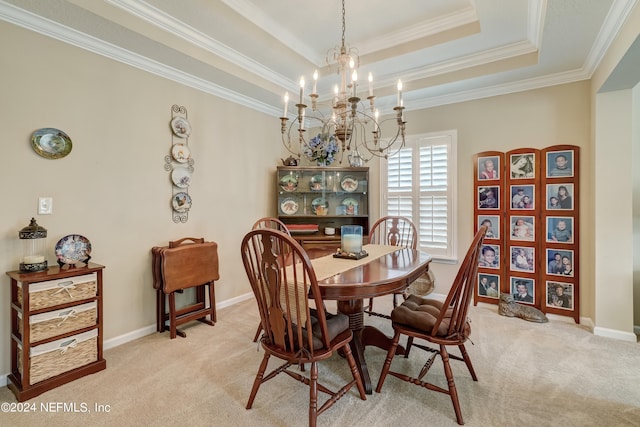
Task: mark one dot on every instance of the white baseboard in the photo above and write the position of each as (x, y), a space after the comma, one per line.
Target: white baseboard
(147, 330)
(613, 333)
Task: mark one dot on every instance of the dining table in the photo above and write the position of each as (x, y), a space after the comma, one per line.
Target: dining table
(386, 270)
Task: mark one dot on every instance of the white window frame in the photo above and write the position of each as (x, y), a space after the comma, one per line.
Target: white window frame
(414, 142)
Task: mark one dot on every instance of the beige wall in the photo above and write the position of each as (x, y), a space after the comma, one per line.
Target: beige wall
(613, 127)
(113, 188)
(613, 213)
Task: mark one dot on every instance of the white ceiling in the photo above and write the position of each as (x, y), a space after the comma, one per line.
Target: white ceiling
(252, 51)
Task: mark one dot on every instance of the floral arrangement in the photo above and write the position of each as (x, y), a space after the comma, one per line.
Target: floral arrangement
(322, 149)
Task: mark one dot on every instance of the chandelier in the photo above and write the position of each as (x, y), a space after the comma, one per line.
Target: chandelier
(352, 125)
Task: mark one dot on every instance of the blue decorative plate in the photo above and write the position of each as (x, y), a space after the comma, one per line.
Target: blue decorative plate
(289, 182)
(51, 143)
(317, 183)
(72, 249)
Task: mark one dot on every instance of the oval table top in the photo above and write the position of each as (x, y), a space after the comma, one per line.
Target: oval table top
(381, 275)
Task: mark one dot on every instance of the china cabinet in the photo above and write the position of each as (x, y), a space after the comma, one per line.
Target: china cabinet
(56, 328)
(314, 202)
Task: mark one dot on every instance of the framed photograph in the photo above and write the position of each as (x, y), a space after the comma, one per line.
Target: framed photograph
(523, 289)
(493, 224)
(559, 163)
(522, 197)
(490, 256)
(488, 285)
(488, 197)
(522, 259)
(560, 262)
(560, 196)
(560, 295)
(560, 229)
(523, 166)
(522, 228)
(488, 168)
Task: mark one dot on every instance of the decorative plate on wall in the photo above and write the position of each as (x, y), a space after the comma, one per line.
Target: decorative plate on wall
(181, 127)
(180, 153)
(181, 202)
(51, 143)
(181, 177)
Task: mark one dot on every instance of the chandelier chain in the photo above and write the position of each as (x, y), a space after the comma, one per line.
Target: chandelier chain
(343, 24)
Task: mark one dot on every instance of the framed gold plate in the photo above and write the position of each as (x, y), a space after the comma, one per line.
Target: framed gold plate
(51, 143)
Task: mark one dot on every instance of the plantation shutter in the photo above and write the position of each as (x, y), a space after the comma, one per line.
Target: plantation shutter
(418, 183)
(400, 184)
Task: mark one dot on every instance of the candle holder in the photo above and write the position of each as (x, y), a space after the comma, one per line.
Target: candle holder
(351, 243)
(34, 244)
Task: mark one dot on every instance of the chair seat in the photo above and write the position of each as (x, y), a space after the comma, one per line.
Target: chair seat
(336, 324)
(422, 314)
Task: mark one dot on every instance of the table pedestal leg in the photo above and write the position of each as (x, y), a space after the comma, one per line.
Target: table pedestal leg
(375, 337)
(354, 309)
(364, 336)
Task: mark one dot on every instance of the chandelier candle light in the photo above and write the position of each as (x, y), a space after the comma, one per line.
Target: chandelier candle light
(352, 123)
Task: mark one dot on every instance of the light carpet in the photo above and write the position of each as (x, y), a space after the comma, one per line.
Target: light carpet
(529, 374)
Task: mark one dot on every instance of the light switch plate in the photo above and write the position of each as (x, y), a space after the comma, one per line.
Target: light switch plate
(45, 206)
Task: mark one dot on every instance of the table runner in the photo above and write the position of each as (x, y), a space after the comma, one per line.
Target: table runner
(325, 267)
(328, 266)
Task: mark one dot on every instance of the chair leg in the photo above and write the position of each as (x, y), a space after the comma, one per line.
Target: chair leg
(354, 370)
(370, 309)
(313, 394)
(409, 344)
(453, 392)
(467, 360)
(387, 362)
(255, 338)
(258, 381)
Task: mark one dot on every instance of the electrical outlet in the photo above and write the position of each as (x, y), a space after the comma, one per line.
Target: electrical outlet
(45, 206)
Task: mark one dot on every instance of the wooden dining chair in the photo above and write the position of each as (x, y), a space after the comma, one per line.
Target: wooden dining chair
(395, 231)
(273, 224)
(285, 286)
(440, 323)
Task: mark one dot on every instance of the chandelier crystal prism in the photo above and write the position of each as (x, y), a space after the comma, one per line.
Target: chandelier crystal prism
(354, 124)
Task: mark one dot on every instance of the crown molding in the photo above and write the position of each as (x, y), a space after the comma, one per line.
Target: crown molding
(171, 25)
(70, 36)
(618, 14)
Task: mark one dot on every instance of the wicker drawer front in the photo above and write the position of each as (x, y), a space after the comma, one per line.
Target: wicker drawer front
(54, 358)
(54, 292)
(52, 323)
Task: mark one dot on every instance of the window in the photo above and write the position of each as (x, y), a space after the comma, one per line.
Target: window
(419, 182)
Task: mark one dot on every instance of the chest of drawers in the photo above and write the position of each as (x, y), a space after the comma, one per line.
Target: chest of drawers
(56, 328)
